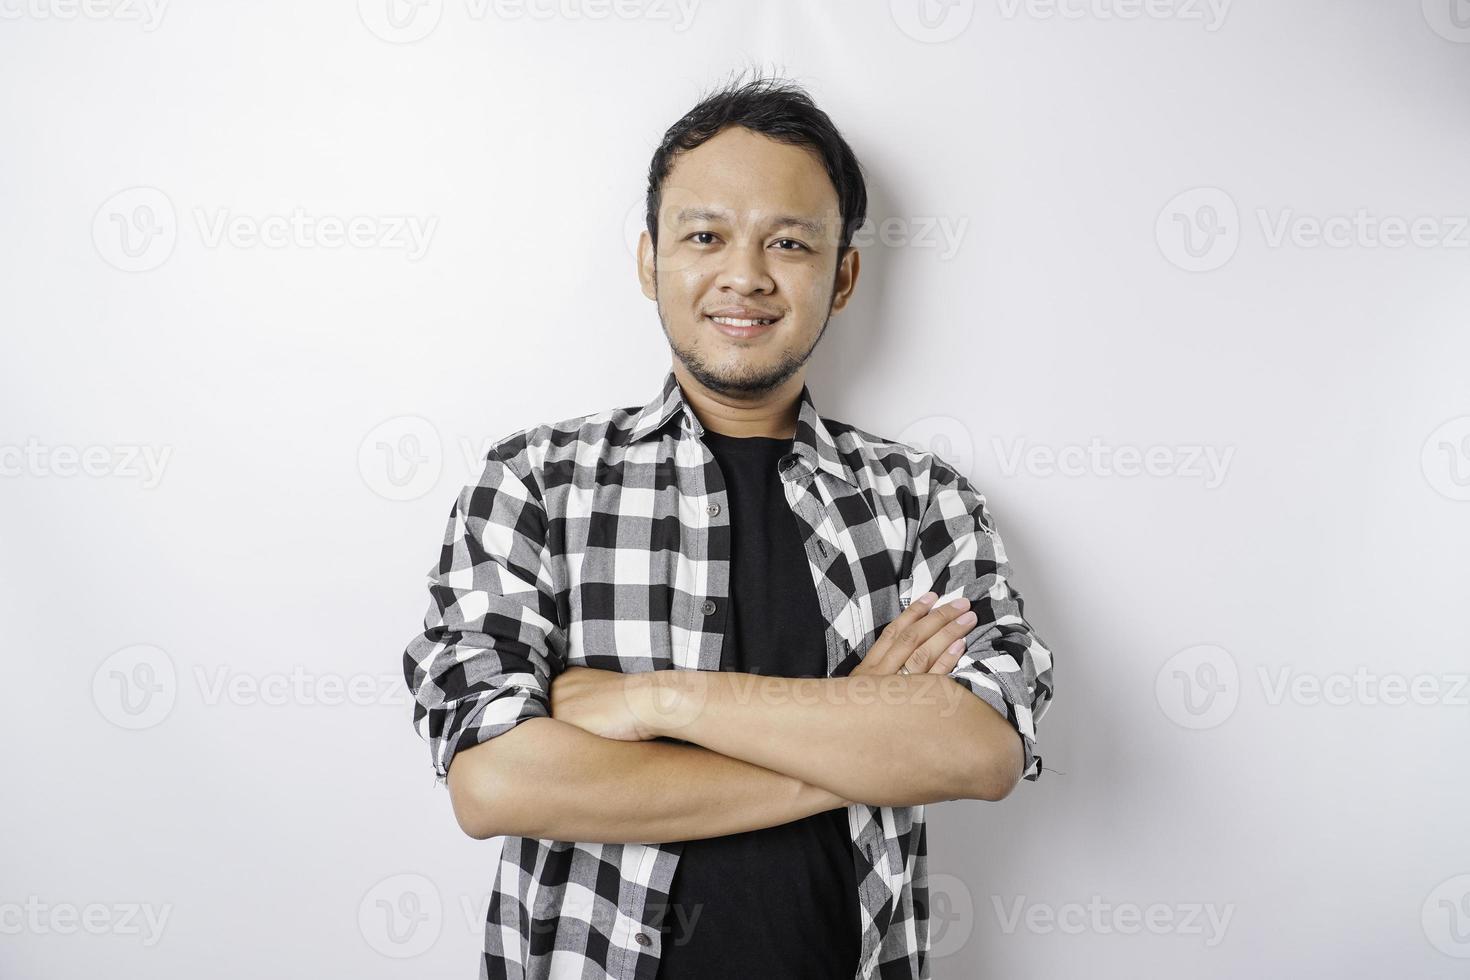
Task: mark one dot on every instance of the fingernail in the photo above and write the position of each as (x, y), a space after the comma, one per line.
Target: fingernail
(927, 598)
(961, 603)
(966, 619)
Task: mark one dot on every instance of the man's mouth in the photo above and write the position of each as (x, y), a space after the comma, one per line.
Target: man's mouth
(735, 321)
(741, 327)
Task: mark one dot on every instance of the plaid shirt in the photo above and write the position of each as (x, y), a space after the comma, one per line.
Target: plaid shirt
(603, 541)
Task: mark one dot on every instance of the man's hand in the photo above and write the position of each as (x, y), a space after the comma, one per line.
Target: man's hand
(924, 639)
(629, 707)
(609, 703)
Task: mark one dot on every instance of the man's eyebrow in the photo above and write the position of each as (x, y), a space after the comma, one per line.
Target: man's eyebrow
(811, 226)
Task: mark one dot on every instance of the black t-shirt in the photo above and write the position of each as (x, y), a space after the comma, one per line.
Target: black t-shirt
(780, 901)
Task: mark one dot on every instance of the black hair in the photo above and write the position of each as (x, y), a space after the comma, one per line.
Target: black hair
(781, 110)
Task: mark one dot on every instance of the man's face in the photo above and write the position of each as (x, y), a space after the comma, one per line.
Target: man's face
(748, 227)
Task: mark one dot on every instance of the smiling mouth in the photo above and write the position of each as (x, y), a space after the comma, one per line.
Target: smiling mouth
(742, 328)
(735, 321)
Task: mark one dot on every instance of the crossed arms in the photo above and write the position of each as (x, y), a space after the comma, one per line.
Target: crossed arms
(757, 760)
(600, 756)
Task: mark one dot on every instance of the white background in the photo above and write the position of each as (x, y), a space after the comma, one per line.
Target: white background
(203, 703)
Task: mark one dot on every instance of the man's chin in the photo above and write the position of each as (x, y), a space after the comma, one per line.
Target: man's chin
(741, 381)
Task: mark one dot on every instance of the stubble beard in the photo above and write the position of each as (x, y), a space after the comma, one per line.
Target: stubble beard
(748, 384)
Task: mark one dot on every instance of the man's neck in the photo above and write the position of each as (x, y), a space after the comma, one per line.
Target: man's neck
(772, 414)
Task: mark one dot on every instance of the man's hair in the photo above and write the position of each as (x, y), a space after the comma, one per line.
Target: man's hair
(781, 110)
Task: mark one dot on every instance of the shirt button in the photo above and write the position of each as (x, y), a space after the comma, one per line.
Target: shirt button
(641, 938)
(709, 607)
(712, 509)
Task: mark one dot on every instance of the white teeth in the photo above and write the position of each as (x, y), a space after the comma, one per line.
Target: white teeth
(731, 321)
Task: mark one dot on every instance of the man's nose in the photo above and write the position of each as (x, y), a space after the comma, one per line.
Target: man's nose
(745, 268)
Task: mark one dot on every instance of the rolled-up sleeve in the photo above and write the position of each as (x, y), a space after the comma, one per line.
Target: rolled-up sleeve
(491, 642)
(959, 552)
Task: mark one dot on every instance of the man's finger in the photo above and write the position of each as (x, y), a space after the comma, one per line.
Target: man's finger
(907, 634)
(887, 652)
(944, 663)
(960, 623)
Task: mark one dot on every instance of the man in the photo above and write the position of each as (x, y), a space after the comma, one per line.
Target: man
(667, 655)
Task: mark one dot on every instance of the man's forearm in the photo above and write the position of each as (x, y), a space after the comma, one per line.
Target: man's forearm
(552, 780)
(885, 740)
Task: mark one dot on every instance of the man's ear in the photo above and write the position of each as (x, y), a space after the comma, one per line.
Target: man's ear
(647, 271)
(845, 280)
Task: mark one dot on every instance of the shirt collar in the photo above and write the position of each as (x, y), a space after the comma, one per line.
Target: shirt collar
(813, 444)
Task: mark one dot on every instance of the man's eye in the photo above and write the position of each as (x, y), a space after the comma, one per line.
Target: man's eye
(698, 233)
(792, 241)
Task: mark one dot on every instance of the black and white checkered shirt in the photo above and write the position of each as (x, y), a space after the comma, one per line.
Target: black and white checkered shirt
(602, 541)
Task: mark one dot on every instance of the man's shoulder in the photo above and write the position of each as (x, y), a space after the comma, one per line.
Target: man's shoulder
(529, 450)
(537, 451)
(906, 474)
(906, 465)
